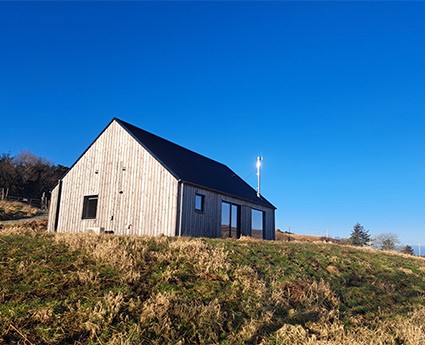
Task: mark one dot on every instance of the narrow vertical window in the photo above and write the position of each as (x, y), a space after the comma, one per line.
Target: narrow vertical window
(199, 202)
(257, 224)
(230, 220)
(90, 207)
(234, 214)
(225, 219)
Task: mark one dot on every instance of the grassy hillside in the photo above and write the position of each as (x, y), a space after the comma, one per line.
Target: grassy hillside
(10, 210)
(61, 289)
(285, 236)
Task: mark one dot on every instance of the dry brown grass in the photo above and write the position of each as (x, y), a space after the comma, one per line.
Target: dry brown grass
(408, 330)
(127, 290)
(126, 253)
(10, 210)
(387, 252)
(22, 227)
(284, 236)
(302, 299)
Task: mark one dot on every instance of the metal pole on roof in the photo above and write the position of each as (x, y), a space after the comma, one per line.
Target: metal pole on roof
(259, 159)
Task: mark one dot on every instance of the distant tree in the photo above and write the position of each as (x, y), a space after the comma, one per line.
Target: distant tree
(359, 236)
(7, 172)
(407, 250)
(30, 169)
(386, 241)
(28, 175)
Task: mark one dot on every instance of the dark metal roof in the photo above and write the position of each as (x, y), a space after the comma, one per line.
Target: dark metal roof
(193, 168)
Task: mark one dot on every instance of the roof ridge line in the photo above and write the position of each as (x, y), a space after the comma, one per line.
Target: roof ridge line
(169, 141)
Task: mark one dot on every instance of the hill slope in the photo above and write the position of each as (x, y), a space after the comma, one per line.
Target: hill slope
(60, 289)
(11, 210)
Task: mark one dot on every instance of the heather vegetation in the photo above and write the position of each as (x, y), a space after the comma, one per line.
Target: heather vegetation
(88, 289)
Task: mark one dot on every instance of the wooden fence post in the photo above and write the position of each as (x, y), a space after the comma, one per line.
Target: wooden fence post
(43, 201)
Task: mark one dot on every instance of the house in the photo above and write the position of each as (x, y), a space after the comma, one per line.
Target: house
(130, 181)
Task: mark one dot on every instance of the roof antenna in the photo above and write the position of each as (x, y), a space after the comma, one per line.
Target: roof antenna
(259, 159)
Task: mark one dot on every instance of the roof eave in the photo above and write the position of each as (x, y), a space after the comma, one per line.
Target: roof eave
(264, 200)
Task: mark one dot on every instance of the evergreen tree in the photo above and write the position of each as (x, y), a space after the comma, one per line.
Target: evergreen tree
(359, 236)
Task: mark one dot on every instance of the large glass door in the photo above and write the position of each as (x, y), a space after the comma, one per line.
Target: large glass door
(230, 220)
(257, 223)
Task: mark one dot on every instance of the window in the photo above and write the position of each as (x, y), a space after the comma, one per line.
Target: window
(257, 224)
(90, 207)
(199, 202)
(230, 220)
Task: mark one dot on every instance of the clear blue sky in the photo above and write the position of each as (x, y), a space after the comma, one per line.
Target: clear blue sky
(331, 94)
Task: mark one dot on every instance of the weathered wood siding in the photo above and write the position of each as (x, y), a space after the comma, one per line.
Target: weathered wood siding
(53, 209)
(136, 194)
(208, 223)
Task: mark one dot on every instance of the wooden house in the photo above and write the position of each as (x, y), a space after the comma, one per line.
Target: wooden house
(132, 182)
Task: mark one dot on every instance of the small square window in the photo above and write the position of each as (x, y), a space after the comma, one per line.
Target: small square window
(90, 207)
(199, 202)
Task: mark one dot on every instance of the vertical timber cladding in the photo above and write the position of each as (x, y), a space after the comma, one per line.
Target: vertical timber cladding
(53, 209)
(136, 194)
(208, 223)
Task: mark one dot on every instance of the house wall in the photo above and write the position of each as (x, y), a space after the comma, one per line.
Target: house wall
(208, 223)
(53, 209)
(133, 188)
